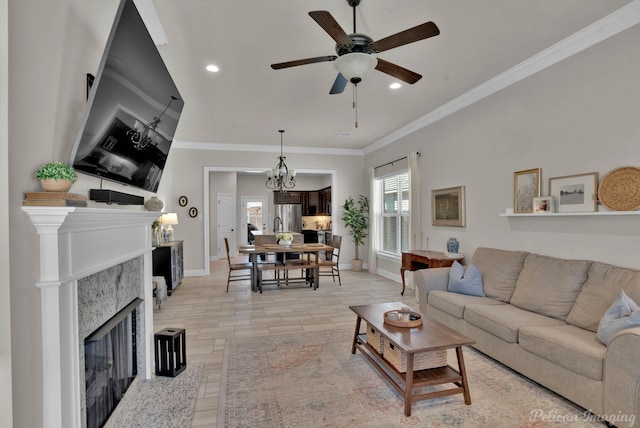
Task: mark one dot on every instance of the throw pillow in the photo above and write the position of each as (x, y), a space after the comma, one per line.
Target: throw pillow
(624, 313)
(465, 282)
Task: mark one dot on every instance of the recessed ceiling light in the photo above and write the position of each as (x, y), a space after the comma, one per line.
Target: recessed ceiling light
(395, 85)
(213, 68)
(344, 134)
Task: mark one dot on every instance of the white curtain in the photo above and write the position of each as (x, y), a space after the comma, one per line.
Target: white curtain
(415, 215)
(374, 216)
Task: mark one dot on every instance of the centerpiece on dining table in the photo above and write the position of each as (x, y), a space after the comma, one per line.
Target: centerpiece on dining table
(284, 239)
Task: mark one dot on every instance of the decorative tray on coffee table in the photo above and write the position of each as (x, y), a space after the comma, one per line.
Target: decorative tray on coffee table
(396, 319)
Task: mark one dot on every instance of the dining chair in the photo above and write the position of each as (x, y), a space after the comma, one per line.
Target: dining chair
(236, 270)
(331, 266)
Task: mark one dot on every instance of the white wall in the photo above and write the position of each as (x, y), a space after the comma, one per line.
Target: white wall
(578, 116)
(6, 413)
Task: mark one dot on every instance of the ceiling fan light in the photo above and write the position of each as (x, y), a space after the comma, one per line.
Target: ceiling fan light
(355, 66)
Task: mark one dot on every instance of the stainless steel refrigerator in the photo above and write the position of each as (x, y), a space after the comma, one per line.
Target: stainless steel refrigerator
(291, 216)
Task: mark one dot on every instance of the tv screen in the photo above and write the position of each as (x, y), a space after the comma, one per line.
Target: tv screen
(132, 110)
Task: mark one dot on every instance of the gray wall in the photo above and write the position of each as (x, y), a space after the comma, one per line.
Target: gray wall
(578, 116)
(6, 414)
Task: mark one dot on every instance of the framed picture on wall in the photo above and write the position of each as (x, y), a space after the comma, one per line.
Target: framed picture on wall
(575, 193)
(447, 207)
(526, 186)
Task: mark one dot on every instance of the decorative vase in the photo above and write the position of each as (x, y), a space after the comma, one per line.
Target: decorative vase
(54, 185)
(283, 243)
(356, 265)
(453, 245)
(154, 204)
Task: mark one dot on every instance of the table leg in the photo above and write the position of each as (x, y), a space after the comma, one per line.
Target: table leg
(355, 335)
(402, 269)
(408, 393)
(463, 374)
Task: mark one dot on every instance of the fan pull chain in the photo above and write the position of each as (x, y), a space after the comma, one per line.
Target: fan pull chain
(355, 102)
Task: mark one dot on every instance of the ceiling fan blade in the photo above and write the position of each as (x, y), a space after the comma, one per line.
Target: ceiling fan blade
(421, 32)
(339, 84)
(398, 72)
(297, 62)
(331, 26)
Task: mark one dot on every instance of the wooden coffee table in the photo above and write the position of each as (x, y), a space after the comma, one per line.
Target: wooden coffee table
(430, 336)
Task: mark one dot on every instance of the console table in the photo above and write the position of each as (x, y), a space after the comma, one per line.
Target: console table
(420, 259)
(167, 262)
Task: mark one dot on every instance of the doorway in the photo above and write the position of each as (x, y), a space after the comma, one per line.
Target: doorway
(255, 213)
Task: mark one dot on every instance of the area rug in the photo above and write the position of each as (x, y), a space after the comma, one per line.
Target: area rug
(313, 380)
(167, 402)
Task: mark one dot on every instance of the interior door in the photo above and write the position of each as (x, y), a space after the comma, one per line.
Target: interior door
(226, 215)
(255, 211)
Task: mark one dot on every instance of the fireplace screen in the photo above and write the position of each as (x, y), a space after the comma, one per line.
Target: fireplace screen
(110, 365)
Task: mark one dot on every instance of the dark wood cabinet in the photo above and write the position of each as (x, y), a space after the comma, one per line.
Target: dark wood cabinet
(287, 197)
(324, 201)
(168, 263)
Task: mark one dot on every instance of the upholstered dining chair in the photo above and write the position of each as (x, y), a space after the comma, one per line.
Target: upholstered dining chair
(237, 271)
(331, 266)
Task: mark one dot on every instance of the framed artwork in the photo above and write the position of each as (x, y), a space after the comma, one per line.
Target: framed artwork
(526, 186)
(447, 207)
(183, 201)
(575, 193)
(193, 212)
(543, 205)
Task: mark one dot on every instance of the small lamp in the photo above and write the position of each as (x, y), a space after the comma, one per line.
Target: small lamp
(168, 220)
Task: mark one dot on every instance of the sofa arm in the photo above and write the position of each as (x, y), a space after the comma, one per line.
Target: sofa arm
(427, 280)
(622, 378)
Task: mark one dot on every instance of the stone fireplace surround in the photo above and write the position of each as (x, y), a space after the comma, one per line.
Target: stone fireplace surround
(77, 242)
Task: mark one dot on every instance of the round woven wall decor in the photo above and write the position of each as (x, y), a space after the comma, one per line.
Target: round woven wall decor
(620, 189)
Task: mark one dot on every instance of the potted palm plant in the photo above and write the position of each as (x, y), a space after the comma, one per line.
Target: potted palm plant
(356, 218)
(56, 176)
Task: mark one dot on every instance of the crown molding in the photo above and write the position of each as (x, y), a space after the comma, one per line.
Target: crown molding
(186, 145)
(612, 24)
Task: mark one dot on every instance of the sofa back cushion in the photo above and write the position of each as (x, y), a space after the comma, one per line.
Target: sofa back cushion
(500, 270)
(603, 285)
(549, 286)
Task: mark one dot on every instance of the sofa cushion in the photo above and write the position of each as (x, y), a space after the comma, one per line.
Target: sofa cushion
(549, 286)
(465, 281)
(454, 303)
(568, 346)
(504, 321)
(500, 270)
(623, 314)
(603, 284)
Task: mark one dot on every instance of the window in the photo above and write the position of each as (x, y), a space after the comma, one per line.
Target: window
(394, 228)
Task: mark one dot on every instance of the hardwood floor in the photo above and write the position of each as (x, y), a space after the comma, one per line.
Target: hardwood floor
(211, 316)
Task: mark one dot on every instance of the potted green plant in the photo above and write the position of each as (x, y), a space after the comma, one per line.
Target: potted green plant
(56, 176)
(284, 238)
(356, 218)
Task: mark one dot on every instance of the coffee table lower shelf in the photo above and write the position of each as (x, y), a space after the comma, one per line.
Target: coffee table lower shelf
(419, 379)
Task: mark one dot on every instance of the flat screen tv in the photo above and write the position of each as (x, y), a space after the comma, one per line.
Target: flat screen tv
(132, 110)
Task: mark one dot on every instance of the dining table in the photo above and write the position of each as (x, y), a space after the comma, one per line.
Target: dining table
(284, 263)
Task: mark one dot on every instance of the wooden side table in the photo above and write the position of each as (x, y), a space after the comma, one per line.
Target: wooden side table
(420, 259)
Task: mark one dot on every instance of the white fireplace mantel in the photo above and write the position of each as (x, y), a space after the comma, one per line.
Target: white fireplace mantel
(76, 242)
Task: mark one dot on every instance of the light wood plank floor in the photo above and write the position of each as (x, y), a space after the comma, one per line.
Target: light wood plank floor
(211, 316)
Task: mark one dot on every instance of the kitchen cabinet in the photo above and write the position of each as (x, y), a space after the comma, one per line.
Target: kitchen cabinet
(287, 197)
(324, 201)
(167, 262)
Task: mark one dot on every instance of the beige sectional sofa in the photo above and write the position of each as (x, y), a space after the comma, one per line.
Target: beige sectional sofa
(540, 317)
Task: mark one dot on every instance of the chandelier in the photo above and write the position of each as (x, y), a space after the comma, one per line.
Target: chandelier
(280, 178)
(143, 134)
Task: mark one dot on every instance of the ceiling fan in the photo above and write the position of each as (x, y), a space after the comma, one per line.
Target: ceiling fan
(355, 51)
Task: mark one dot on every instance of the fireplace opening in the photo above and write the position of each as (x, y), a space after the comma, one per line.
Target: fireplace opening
(110, 364)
